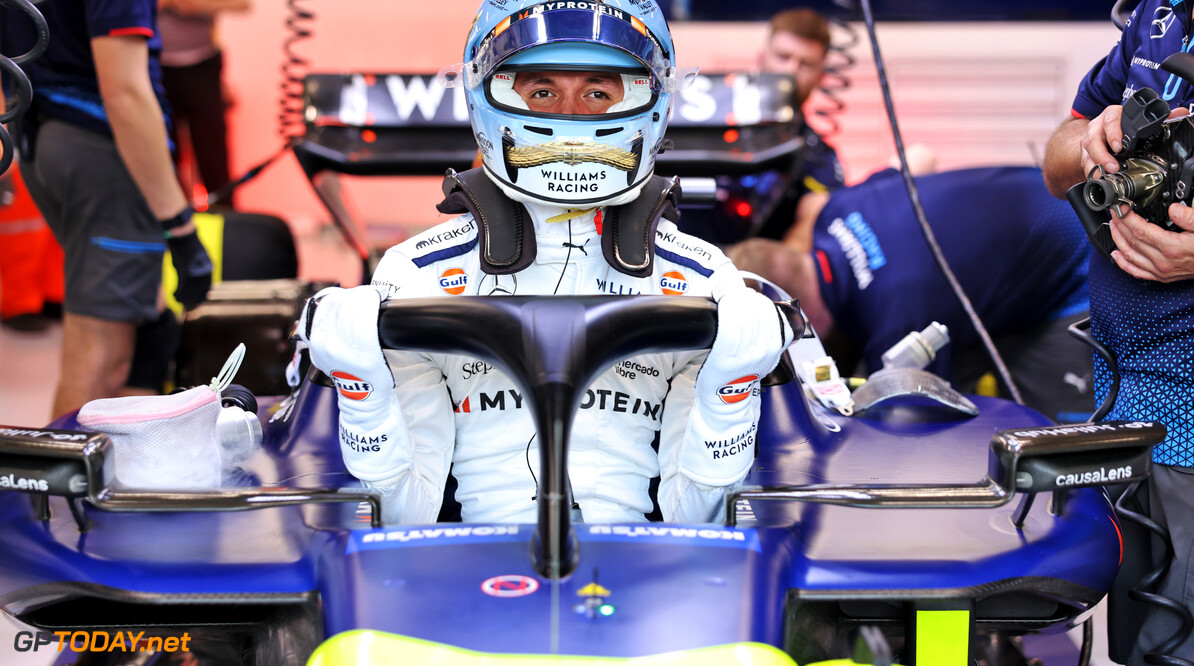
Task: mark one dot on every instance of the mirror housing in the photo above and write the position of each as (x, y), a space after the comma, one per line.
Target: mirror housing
(1074, 455)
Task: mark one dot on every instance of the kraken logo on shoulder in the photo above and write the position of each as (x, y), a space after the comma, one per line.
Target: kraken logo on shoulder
(571, 153)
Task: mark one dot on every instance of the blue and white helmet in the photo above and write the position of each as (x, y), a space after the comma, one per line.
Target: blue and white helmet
(566, 159)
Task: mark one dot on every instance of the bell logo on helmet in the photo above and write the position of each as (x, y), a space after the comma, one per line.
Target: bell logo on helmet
(737, 390)
(673, 283)
(453, 281)
(351, 387)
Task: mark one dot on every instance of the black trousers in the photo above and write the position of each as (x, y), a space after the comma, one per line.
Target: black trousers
(197, 102)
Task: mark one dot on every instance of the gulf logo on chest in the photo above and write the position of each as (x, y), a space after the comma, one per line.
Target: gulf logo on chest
(351, 387)
(453, 281)
(737, 390)
(673, 283)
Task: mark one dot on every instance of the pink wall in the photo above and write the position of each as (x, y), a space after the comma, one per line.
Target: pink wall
(351, 35)
(980, 93)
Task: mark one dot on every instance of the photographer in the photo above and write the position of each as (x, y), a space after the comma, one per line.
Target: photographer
(798, 44)
(1142, 299)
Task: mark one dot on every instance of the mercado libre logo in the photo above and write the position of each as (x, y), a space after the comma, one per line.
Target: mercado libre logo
(737, 390)
(673, 283)
(353, 388)
(453, 281)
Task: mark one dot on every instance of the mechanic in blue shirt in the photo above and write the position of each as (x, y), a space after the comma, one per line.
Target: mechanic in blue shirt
(1142, 298)
(862, 270)
(96, 160)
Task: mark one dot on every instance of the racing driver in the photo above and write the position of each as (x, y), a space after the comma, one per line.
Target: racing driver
(568, 103)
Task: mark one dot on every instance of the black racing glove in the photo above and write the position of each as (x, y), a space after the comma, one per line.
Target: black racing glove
(190, 262)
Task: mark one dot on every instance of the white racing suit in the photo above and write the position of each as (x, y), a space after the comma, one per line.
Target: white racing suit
(462, 412)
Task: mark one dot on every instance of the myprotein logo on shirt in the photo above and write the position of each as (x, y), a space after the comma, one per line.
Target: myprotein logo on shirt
(599, 399)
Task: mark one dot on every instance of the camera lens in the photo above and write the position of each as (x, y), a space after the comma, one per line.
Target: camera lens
(1099, 194)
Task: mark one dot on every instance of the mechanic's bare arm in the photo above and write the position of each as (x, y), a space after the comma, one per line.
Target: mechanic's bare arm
(122, 67)
(1063, 156)
(204, 7)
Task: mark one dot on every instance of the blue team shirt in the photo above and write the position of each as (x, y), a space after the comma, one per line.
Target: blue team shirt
(1020, 255)
(65, 86)
(1149, 325)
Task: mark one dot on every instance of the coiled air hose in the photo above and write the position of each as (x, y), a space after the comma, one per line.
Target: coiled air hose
(839, 59)
(291, 124)
(11, 70)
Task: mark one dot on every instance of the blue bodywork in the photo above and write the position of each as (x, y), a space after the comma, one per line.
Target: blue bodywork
(670, 587)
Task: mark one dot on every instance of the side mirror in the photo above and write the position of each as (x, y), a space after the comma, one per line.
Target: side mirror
(80, 465)
(53, 462)
(1027, 460)
(1074, 455)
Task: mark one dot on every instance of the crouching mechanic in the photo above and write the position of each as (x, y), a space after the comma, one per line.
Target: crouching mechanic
(568, 102)
(865, 276)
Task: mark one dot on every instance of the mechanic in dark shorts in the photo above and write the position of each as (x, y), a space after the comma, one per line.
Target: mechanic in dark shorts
(865, 276)
(97, 163)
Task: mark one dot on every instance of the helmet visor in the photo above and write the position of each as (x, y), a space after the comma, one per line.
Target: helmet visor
(590, 22)
(573, 95)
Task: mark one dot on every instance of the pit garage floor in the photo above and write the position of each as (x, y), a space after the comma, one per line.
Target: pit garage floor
(29, 369)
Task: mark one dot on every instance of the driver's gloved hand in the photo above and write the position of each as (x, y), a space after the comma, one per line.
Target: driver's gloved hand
(717, 448)
(752, 333)
(339, 327)
(190, 260)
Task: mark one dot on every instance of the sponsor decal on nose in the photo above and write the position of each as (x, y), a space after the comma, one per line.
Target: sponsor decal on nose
(353, 388)
(737, 390)
(453, 281)
(673, 283)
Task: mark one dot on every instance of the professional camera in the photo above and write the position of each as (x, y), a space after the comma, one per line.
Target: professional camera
(1156, 163)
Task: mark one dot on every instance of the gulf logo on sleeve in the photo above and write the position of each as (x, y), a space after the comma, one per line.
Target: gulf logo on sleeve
(737, 390)
(673, 283)
(453, 281)
(351, 387)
